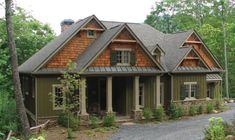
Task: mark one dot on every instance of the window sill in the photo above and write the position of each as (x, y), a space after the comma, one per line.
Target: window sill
(123, 64)
(208, 98)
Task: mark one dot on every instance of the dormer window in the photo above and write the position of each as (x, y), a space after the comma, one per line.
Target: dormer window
(122, 57)
(91, 33)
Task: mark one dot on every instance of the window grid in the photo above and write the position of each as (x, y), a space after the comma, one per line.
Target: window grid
(58, 97)
(123, 57)
(191, 89)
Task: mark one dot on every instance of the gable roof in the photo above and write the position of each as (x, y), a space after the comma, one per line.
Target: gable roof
(36, 61)
(92, 52)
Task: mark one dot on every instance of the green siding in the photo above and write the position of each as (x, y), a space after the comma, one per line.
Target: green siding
(179, 80)
(44, 103)
(217, 90)
(166, 80)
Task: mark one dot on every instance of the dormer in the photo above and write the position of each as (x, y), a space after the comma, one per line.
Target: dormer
(157, 52)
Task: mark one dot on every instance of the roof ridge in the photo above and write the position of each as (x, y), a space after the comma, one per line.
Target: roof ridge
(120, 22)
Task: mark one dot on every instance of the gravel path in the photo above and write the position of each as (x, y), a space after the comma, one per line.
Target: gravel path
(185, 129)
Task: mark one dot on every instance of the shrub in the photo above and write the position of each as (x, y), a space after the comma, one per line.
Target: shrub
(159, 113)
(147, 113)
(175, 111)
(209, 107)
(200, 109)
(70, 133)
(9, 119)
(109, 120)
(192, 110)
(180, 111)
(73, 120)
(94, 121)
(215, 130)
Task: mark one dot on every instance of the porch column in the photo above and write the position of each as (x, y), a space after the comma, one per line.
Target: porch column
(136, 93)
(109, 106)
(82, 98)
(157, 92)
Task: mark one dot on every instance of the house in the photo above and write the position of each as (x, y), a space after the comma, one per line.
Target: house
(126, 67)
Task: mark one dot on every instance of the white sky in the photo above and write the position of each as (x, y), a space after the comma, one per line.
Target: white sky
(54, 11)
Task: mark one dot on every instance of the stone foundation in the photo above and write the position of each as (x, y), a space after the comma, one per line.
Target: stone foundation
(137, 114)
(84, 117)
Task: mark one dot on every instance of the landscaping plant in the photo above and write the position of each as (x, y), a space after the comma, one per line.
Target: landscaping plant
(109, 120)
(215, 130)
(200, 109)
(209, 107)
(159, 113)
(147, 113)
(94, 121)
(192, 110)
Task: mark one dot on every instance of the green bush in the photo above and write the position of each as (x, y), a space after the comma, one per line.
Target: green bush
(94, 121)
(147, 113)
(215, 130)
(73, 120)
(192, 110)
(109, 120)
(209, 107)
(159, 113)
(175, 111)
(70, 133)
(200, 109)
(8, 116)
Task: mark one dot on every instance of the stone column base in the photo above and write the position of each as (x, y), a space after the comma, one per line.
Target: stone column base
(84, 118)
(137, 114)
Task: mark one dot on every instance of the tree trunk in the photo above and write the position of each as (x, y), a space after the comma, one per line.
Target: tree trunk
(20, 108)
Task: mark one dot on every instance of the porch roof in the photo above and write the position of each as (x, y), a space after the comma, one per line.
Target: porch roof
(122, 70)
(213, 77)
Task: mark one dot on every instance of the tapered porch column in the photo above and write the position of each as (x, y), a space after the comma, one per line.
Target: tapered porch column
(109, 106)
(82, 90)
(157, 92)
(136, 112)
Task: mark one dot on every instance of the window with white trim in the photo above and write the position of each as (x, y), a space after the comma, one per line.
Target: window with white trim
(141, 95)
(58, 97)
(189, 90)
(91, 33)
(123, 57)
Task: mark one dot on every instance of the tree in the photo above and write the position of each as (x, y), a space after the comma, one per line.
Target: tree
(16, 79)
(30, 35)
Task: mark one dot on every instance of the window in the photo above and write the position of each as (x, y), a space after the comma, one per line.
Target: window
(123, 56)
(189, 90)
(91, 33)
(141, 95)
(58, 97)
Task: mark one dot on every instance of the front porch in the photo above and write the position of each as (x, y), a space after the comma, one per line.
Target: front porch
(122, 95)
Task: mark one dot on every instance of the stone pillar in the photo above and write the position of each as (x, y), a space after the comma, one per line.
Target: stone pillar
(82, 97)
(157, 92)
(137, 112)
(109, 106)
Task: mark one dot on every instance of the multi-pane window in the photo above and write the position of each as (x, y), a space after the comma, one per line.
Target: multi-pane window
(123, 56)
(141, 95)
(189, 90)
(91, 33)
(58, 97)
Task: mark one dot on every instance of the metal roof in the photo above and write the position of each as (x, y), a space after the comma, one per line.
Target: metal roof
(213, 77)
(122, 70)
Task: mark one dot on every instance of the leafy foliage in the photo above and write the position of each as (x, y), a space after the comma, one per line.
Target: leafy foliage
(206, 17)
(147, 113)
(68, 120)
(215, 130)
(159, 113)
(94, 121)
(209, 107)
(109, 120)
(192, 110)
(175, 111)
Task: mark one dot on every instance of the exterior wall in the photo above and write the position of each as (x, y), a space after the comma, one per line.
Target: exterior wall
(141, 58)
(44, 103)
(202, 51)
(125, 35)
(74, 47)
(28, 91)
(179, 79)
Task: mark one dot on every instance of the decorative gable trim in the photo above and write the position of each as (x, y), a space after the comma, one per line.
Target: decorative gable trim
(123, 26)
(204, 45)
(88, 19)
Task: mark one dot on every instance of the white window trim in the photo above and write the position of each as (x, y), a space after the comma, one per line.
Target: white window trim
(53, 97)
(189, 98)
(129, 59)
(91, 36)
(143, 94)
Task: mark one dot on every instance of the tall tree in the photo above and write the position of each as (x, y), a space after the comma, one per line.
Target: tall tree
(14, 62)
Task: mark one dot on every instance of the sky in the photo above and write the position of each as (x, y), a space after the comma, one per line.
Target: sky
(54, 11)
